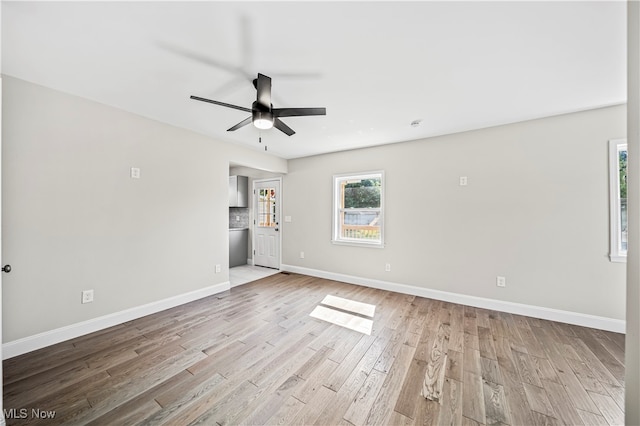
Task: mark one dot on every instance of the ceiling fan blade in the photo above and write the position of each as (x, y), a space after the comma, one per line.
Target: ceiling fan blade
(197, 98)
(278, 124)
(241, 124)
(296, 112)
(263, 86)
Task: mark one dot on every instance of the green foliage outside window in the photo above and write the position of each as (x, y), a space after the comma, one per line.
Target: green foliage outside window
(363, 194)
(623, 173)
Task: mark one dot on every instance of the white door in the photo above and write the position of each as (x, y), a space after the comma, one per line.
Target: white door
(6, 268)
(266, 230)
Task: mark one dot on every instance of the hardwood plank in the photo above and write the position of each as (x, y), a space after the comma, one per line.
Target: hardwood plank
(180, 393)
(487, 348)
(526, 368)
(309, 412)
(436, 366)
(384, 403)
(591, 419)
(542, 420)
(538, 400)
(490, 371)
(495, 403)
(615, 367)
(359, 409)
(286, 413)
(600, 371)
(531, 343)
(410, 394)
(586, 377)
(307, 390)
(398, 419)
(343, 398)
(224, 411)
(313, 363)
(454, 365)
(427, 412)
(466, 421)
(608, 408)
(561, 403)
(473, 405)
(451, 409)
(617, 393)
(544, 369)
(577, 394)
(128, 414)
(471, 362)
(613, 348)
(519, 410)
(271, 403)
(471, 341)
(366, 352)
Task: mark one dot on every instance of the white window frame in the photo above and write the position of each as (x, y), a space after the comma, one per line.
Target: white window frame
(337, 180)
(616, 253)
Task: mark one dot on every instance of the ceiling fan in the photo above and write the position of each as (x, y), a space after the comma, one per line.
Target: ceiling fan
(263, 114)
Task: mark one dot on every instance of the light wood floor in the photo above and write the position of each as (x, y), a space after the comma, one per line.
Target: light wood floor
(254, 356)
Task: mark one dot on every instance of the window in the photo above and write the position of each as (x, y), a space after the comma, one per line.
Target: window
(618, 199)
(358, 209)
(267, 208)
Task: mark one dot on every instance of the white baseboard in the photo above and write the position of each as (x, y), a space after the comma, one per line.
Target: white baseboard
(585, 320)
(47, 338)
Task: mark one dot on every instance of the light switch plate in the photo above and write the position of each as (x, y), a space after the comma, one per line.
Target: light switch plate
(287, 218)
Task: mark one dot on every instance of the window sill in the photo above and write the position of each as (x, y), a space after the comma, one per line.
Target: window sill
(618, 258)
(357, 244)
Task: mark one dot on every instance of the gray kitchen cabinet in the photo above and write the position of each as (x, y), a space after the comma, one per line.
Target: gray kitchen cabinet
(238, 191)
(238, 246)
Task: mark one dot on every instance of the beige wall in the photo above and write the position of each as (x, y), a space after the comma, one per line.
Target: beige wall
(73, 219)
(632, 349)
(535, 211)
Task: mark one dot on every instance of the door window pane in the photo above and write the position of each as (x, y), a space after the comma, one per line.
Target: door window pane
(267, 207)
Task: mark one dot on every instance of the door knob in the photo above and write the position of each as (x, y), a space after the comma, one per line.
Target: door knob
(6, 268)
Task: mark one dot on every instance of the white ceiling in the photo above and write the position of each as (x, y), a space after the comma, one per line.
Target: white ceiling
(375, 66)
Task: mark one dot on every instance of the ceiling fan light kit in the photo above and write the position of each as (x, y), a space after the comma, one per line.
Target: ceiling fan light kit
(263, 120)
(263, 115)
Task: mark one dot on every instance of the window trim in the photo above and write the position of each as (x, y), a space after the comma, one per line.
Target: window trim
(616, 254)
(335, 215)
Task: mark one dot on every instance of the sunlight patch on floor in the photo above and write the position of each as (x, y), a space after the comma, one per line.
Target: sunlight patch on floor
(349, 305)
(345, 313)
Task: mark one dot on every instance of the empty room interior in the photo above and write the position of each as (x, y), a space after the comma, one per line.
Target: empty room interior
(333, 213)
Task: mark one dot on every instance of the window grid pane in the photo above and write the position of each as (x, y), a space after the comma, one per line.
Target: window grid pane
(267, 208)
(622, 196)
(360, 224)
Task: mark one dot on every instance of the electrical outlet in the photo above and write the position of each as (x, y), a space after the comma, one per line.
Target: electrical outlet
(87, 296)
(135, 173)
(501, 281)
(463, 181)
(301, 255)
(218, 269)
(387, 267)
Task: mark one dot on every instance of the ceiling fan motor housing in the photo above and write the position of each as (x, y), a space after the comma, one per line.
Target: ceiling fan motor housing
(262, 117)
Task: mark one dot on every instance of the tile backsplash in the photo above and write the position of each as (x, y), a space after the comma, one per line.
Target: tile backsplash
(238, 217)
